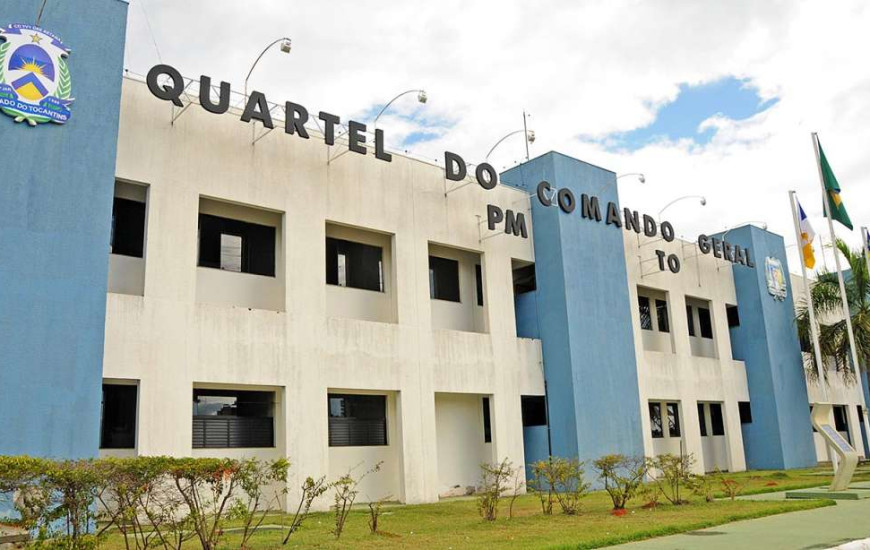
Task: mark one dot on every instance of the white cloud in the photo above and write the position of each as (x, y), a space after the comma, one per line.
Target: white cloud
(580, 69)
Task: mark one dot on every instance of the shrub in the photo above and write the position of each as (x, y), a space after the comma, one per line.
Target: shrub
(541, 486)
(673, 474)
(255, 478)
(375, 513)
(730, 486)
(493, 484)
(563, 478)
(622, 477)
(311, 490)
(703, 487)
(345, 493)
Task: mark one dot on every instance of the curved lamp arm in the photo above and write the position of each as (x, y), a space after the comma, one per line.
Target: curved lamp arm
(421, 97)
(283, 39)
(702, 198)
(530, 135)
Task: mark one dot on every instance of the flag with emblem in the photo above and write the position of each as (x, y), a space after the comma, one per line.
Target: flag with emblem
(807, 237)
(836, 208)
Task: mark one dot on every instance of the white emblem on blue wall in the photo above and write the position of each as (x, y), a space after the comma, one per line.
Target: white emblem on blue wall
(776, 284)
(35, 83)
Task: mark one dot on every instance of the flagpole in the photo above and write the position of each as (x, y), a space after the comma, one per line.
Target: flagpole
(817, 352)
(847, 313)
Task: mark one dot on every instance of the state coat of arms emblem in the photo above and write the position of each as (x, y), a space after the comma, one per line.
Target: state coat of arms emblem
(35, 84)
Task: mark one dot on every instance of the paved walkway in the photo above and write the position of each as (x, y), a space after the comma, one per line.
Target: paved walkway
(809, 529)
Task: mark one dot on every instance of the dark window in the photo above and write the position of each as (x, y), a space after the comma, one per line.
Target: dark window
(806, 343)
(860, 414)
(811, 414)
(534, 410)
(234, 245)
(118, 422)
(705, 322)
(655, 420)
(128, 227)
(443, 279)
(702, 419)
(478, 279)
(733, 316)
(841, 423)
(524, 279)
(487, 424)
(354, 265)
(691, 319)
(745, 410)
(673, 419)
(662, 316)
(717, 423)
(232, 419)
(357, 420)
(645, 315)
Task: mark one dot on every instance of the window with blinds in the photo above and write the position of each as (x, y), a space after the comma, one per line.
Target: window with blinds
(357, 420)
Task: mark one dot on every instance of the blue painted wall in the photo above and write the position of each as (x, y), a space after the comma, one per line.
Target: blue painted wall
(535, 446)
(55, 214)
(526, 308)
(780, 435)
(583, 314)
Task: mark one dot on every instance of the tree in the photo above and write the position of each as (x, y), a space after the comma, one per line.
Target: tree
(833, 335)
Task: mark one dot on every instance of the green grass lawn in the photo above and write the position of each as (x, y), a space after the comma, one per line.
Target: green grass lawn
(456, 524)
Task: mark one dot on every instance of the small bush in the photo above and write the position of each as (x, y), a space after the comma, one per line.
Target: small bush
(375, 513)
(673, 474)
(703, 487)
(563, 478)
(493, 484)
(311, 490)
(345, 494)
(730, 486)
(622, 477)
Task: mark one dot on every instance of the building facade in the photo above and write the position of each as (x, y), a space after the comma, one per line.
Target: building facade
(246, 292)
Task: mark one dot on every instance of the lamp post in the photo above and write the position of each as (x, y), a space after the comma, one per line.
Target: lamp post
(702, 201)
(421, 97)
(285, 47)
(530, 138)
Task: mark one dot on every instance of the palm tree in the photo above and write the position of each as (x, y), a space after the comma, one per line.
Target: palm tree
(828, 305)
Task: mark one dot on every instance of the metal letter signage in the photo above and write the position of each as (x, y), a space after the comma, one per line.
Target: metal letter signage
(35, 83)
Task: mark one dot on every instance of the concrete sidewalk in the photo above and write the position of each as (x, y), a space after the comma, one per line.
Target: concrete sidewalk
(809, 529)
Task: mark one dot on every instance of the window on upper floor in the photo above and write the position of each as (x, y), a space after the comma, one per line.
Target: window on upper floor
(357, 420)
(127, 239)
(236, 245)
(717, 422)
(534, 409)
(354, 265)
(487, 422)
(705, 322)
(443, 279)
(645, 313)
(662, 316)
(690, 317)
(478, 283)
(745, 410)
(733, 316)
(128, 227)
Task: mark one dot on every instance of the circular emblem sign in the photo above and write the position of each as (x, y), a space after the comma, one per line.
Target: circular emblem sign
(35, 85)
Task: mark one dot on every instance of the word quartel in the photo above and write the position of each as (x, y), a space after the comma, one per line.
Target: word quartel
(455, 168)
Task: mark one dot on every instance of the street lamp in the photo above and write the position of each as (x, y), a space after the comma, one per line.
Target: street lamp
(530, 137)
(703, 202)
(285, 47)
(421, 97)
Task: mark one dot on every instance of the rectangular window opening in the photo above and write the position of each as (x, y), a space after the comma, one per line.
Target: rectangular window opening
(702, 419)
(128, 227)
(234, 245)
(118, 417)
(534, 408)
(691, 319)
(717, 422)
(645, 314)
(705, 322)
(733, 316)
(443, 279)
(354, 265)
(524, 279)
(655, 420)
(224, 419)
(673, 419)
(745, 410)
(487, 424)
(662, 316)
(357, 420)
(478, 279)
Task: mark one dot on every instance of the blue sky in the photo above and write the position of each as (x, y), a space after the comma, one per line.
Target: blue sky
(729, 97)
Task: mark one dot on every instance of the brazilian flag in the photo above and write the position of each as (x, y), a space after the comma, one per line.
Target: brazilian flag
(832, 193)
